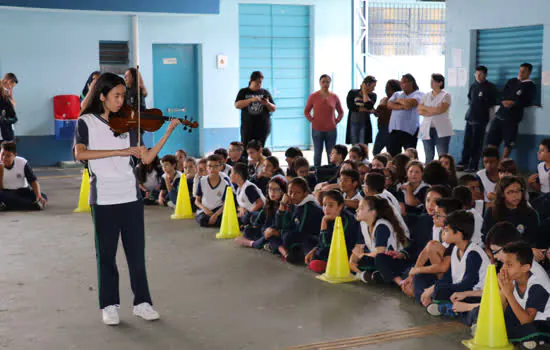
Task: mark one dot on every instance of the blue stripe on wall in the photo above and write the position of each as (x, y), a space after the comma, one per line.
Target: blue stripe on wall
(44, 150)
(158, 6)
(214, 138)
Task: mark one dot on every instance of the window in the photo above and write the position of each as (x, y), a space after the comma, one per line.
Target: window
(113, 56)
(503, 50)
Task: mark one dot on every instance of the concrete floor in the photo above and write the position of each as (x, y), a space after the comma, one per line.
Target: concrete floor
(211, 294)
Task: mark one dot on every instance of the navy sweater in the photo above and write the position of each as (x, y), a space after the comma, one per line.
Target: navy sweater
(352, 231)
(522, 93)
(300, 225)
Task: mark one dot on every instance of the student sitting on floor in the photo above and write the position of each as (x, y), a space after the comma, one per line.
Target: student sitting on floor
(19, 187)
(223, 154)
(334, 183)
(489, 176)
(468, 265)
(290, 156)
(201, 171)
(464, 195)
(181, 156)
(249, 197)
(211, 193)
(473, 183)
(149, 178)
(256, 162)
(525, 298)
(412, 153)
(540, 181)
(190, 171)
(236, 153)
(381, 232)
(349, 186)
(328, 173)
(299, 219)
(302, 169)
(379, 162)
(170, 182)
(333, 206)
(262, 227)
(357, 154)
(413, 193)
(270, 169)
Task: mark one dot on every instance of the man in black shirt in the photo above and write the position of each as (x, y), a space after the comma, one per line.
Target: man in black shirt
(518, 93)
(482, 97)
(256, 105)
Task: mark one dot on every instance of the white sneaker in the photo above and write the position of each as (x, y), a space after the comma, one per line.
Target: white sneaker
(146, 311)
(110, 315)
(171, 204)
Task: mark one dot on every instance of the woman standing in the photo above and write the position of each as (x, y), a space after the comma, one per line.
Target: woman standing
(436, 128)
(117, 206)
(360, 105)
(323, 121)
(93, 76)
(256, 105)
(131, 79)
(383, 113)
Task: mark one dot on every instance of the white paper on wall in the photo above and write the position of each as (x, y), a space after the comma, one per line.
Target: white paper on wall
(457, 58)
(452, 77)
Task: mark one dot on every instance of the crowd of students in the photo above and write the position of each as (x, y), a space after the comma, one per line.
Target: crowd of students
(412, 225)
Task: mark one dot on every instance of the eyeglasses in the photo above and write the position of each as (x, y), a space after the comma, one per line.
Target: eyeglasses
(436, 215)
(210, 166)
(495, 252)
(276, 190)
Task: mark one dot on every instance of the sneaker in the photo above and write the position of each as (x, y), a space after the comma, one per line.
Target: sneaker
(3, 206)
(40, 205)
(267, 247)
(473, 329)
(146, 311)
(530, 344)
(171, 204)
(110, 315)
(441, 309)
(365, 276)
(433, 309)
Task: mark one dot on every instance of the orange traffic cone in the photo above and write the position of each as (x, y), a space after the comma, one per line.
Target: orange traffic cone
(491, 328)
(230, 222)
(337, 266)
(183, 203)
(83, 200)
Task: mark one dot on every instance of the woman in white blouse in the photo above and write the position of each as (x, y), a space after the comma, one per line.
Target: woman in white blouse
(436, 128)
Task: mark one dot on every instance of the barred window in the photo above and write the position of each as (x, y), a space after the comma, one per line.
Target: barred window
(113, 56)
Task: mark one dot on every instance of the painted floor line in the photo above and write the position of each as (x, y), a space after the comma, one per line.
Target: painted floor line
(383, 337)
(58, 177)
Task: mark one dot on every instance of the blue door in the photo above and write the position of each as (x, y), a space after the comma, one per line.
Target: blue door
(275, 39)
(175, 79)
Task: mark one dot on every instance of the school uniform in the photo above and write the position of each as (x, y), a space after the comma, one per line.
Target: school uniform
(8, 118)
(478, 224)
(254, 170)
(311, 181)
(259, 222)
(394, 203)
(356, 197)
(504, 127)
(526, 223)
(420, 194)
(117, 209)
(151, 184)
(243, 160)
(482, 97)
(247, 195)
(351, 234)
(536, 296)
(544, 178)
(17, 193)
(212, 197)
(263, 181)
(172, 195)
(227, 169)
(487, 185)
(300, 226)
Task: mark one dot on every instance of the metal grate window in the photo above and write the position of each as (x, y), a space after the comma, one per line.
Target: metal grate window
(113, 56)
(405, 29)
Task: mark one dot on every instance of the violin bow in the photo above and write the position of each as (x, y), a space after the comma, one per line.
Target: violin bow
(138, 105)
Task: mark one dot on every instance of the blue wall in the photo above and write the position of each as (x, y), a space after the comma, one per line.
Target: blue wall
(55, 51)
(464, 17)
(164, 6)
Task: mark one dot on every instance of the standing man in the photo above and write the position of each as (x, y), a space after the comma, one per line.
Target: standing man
(8, 83)
(482, 98)
(518, 93)
(256, 105)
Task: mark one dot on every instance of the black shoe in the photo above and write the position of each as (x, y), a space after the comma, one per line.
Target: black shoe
(460, 167)
(3, 206)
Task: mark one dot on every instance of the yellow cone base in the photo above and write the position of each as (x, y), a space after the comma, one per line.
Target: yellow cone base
(181, 217)
(83, 204)
(183, 210)
(82, 210)
(229, 227)
(221, 235)
(470, 344)
(336, 280)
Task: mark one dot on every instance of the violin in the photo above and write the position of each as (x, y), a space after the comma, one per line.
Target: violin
(148, 120)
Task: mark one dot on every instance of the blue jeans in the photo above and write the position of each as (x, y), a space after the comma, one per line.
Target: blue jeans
(382, 139)
(357, 132)
(320, 138)
(442, 144)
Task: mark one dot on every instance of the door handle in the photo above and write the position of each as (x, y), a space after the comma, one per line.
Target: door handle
(176, 110)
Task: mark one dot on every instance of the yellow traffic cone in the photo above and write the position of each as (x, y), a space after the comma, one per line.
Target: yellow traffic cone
(491, 328)
(337, 266)
(230, 222)
(83, 200)
(183, 203)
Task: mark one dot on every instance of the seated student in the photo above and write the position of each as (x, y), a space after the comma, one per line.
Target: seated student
(413, 193)
(437, 252)
(363, 169)
(333, 206)
(507, 167)
(190, 171)
(256, 162)
(249, 197)
(398, 167)
(266, 152)
(334, 182)
(235, 152)
(379, 162)
(448, 162)
(222, 153)
(381, 232)
(299, 222)
(170, 181)
(270, 169)
(349, 186)
(436, 174)
(262, 227)
(201, 171)
(473, 183)
(210, 195)
(19, 187)
(149, 178)
(301, 165)
(468, 265)
(525, 298)
(181, 156)
(464, 195)
(489, 176)
(498, 237)
(328, 173)
(357, 154)
(412, 153)
(290, 156)
(540, 181)
(512, 206)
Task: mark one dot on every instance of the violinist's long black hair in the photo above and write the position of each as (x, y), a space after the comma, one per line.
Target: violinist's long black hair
(104, 84)
(88, 82)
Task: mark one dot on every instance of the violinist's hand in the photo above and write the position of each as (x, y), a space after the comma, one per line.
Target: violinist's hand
(132, 151)
(173, 124)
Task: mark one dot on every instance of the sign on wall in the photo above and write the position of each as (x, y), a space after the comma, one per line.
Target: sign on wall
(157, 6)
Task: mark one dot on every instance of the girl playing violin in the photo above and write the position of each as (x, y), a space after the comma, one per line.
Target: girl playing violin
(117, 206)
